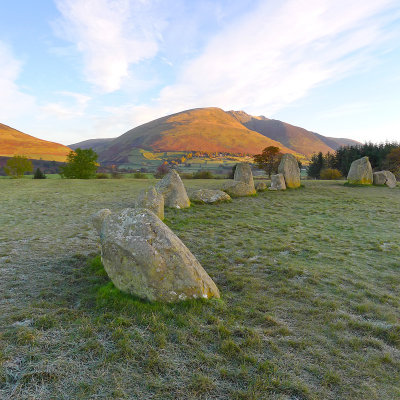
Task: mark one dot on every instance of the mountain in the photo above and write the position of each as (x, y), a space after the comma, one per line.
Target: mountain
(96, 144)
(200, 129)
(13, 142)
(296, 138)
(212, 130)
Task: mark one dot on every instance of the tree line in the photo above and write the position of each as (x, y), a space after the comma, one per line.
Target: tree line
(383, 156)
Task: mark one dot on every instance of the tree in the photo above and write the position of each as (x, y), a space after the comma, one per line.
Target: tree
(269, 159)
(316, 165)
(16, 166)
(81, 164)
(39, 174)
(393, 161)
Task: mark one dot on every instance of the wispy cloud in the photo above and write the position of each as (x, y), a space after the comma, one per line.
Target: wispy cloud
(13, 101)
(278, 52)
(73, 105)
(111, 35)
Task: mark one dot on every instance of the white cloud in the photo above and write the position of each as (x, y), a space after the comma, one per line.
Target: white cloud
(111, 35)
(277, 54)
(13, 101)
(65, 109)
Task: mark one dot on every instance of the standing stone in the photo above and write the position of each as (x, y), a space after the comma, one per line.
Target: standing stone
(99, 217)
(209, 196)
(143, 257)
(173, 190)
(243, 174)
(360, 172)
(384, 178)
(277, 182)
(289, 167)
(242, 184)
(152, 200)
(260, 186)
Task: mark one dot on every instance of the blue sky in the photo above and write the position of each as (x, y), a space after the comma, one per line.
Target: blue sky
(72, 70)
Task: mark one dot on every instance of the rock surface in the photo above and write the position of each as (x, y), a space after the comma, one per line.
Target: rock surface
(208, 196)
(143, 257)
(260, 186)
(360, 172)
(238, 189)
(99, 217)
(277, 182)
(243, 174)
(384, 178)
(173, 190)
(152, 200)
(289, 168)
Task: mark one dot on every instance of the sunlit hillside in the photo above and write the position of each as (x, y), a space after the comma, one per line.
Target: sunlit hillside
(202, 129)
(13, 142)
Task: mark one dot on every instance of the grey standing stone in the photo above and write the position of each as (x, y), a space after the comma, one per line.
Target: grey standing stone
(360, 172)
(289, 167)
(277, 182)
(143, 257)
(152, 200)
(243, 174)
(173, 190)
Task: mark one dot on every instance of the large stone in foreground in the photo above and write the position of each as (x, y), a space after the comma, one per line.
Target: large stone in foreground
(238, 189)
(152, 200)
(384, 178)
(360, 172)
(208, 196)
(243, 174)
(143, 257)
(277, 182)
(289, 168)
(173, 190)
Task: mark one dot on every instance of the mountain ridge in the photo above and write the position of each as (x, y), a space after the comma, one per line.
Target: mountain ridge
(14, 142)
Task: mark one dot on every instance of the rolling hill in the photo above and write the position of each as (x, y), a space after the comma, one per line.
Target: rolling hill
(13, 142)
(296, 138)
(201, 129)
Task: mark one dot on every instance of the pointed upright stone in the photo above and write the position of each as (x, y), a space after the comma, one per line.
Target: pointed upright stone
(173, 190)
(289, 168)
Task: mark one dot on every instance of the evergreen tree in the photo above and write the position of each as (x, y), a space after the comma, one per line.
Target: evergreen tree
(39, 174)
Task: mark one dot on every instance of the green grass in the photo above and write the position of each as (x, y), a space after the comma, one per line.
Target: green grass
(310, 284)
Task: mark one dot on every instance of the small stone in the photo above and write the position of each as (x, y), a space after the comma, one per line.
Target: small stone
(208, 196)
(384, 178)
(260, 186)
(277, 182)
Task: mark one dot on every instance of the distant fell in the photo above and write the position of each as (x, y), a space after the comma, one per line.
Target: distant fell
(298, 139)
(200, 129)
(13, 142)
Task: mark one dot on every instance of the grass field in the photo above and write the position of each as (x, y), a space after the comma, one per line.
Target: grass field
(310, 284)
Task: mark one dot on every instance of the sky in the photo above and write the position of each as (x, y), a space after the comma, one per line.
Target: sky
(72, 70)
